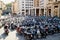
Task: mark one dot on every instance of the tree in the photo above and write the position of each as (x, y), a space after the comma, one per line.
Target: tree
(9, 5)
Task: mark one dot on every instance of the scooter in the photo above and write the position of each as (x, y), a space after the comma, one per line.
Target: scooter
(19, 30)
(6, 31)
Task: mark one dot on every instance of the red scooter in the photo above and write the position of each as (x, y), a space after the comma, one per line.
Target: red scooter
(19, 30)
(6, 31)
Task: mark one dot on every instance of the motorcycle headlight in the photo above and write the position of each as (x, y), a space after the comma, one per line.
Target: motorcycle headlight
(31, 35)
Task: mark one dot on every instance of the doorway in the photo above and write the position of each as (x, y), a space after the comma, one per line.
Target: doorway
(49, 12)
(37, 12)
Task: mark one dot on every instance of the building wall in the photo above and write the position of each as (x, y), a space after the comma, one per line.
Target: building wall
(43, 7)
(14, 7)
(59, 9)
(29, 7)
(54, 6)
(25, 6)
(38, 7)
(2, 7)
(36, 3)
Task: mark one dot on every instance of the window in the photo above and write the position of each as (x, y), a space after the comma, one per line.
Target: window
(56, 0)
(0, 8)
(55, 6)
(23, 10)
(27, 4)
(50, 0)
(22, 7)
(22, 2)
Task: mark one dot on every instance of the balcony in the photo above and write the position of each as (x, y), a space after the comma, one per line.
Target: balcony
(50, 2)
(56, 1)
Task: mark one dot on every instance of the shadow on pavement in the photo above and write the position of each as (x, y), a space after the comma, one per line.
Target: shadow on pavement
(20, 37)
(11, 30)
(3, 35)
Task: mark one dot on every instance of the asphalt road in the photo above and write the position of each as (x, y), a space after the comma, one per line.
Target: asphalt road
(14, 36)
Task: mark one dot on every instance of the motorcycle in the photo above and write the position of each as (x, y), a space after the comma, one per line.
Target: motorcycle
(19, 30)
(43, 33)
(6, 31)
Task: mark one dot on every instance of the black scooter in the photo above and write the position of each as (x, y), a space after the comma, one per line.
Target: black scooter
(6, 30)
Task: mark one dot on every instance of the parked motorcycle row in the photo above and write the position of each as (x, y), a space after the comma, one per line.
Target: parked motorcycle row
(39, 27)
(33, 27)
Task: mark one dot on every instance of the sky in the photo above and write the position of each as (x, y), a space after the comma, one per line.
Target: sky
(7, 1)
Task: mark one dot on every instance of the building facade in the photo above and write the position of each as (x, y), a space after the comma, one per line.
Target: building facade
(43, 7)
(25, 6)
(53, 8)
(39, 7)
(15, 7)
(29, 7)
(2, 7)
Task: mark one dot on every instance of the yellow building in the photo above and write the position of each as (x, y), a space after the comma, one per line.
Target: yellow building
(15, 7)
(37, 7)
(53, 8)
(2, 7)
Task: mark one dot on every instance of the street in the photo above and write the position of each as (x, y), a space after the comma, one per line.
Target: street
(29, 19)
(14, 36)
